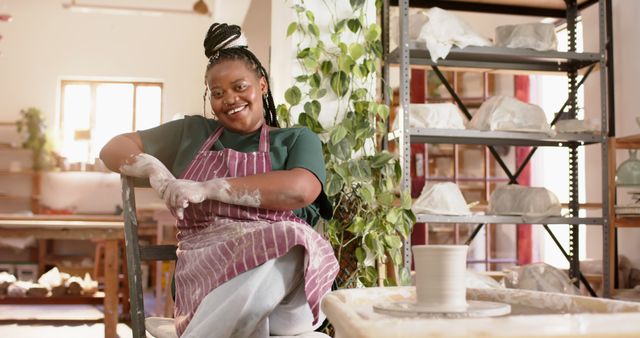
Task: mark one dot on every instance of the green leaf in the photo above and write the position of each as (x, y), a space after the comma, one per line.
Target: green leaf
(283, 114)
(360, 255)
(326, 67)
(358, 94)
(354, 25)
(356, 4)
(310, 62)
(299, 8)
(356, 50)
(292, 28)
(343, 47)
(345, 63)
(373, 33)
(302, 78)
(383, 111)
(393, 216)
(386, 198)
(367, 193)
(381, 159)
(314, 80)
(357, 226)
(340, 83)
(317, 93)
(393, 241)
(376, 47)
(334, 184)
(312, 108)
(313, 28)
(293, 95)
(341, 150)
(310, 16)
(338, 133)
(406, 200)
(340, 25)
(303, 53)
(357, 72)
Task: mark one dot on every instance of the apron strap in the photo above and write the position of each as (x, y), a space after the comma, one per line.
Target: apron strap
(264, 139)
(211, 140)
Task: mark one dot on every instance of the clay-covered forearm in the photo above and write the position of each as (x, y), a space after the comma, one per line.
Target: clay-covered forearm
(120, 149)
(275, 190)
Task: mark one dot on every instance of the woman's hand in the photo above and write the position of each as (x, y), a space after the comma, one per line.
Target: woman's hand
(179, 193)
(144, 165)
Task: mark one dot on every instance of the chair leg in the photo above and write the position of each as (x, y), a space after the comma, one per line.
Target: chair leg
(124, 282)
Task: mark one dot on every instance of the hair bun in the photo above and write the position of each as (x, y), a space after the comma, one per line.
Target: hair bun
(220, 36)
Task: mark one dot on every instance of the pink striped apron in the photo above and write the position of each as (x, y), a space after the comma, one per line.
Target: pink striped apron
(218, 241)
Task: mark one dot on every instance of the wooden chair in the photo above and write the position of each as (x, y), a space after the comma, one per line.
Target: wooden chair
(158, 327)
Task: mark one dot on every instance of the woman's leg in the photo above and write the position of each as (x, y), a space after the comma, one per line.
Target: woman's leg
(241, 306)
(293, 315)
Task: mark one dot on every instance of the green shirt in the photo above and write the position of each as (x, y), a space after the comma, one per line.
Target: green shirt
(176, 143)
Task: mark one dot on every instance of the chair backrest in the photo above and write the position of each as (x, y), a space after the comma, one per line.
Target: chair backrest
(137, 253)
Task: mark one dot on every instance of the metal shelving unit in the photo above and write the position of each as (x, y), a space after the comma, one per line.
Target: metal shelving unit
(493, 59)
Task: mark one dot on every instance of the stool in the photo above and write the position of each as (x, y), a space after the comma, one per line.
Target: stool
(98, 273)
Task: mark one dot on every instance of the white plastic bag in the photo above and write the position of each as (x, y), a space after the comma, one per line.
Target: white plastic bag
(441, 199)
(444, 30)
(578, 126)
(538, 36)
(530, 202)
(433, 115)
(539, 277)
(416, 21)
(507, 113)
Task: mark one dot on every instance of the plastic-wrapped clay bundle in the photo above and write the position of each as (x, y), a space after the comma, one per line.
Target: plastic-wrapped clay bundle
(529, 202)
(444, 30)
(433, 115)
(441, 199)
(538, 36)
(6, 279)
(578, 126)
(539, 277)
(506, 113)
(416, 21)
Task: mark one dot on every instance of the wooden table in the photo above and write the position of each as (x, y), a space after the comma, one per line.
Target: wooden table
(77, 227)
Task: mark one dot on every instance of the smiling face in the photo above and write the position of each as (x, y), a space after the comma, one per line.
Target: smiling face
(236, 96)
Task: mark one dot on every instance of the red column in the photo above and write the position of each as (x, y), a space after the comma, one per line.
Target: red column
(524, 242)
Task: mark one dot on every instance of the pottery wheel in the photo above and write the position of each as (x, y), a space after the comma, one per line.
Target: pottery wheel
(475, 309)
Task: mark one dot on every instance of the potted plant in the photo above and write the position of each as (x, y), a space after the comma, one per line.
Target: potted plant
(371, 218)
(32, 125)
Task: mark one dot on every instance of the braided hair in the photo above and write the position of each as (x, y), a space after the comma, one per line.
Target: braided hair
(226, 42)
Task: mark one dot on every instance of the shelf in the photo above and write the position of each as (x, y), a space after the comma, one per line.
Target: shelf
(626, 221)
(4, 197)
(493, 58)
(547, 8)
(19, 172)
(494, 219)
(96, 298)
(466, 136)
(464, 179)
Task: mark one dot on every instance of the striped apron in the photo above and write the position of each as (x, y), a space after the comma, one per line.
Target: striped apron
(217, 241)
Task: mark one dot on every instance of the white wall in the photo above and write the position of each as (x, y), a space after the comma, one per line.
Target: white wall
(46, 43)
(627, 70)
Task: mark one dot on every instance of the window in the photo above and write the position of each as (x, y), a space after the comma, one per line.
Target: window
(94, 111)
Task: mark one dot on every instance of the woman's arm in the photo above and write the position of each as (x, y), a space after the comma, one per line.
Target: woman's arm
(276, 190)
(124, 154)
(120, 149)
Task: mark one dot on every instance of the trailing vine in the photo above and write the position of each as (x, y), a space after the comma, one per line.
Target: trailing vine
(370, 218)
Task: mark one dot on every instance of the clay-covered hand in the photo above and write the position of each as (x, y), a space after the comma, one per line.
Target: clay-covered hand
(144, 165)
(180, 193)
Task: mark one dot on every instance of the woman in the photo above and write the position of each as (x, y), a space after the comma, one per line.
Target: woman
(244, 192)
